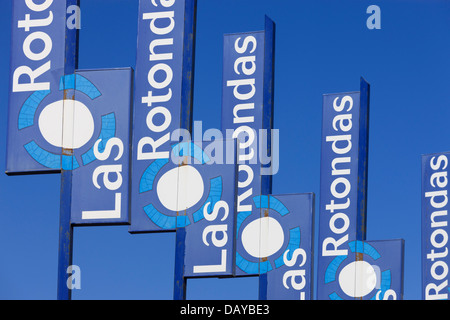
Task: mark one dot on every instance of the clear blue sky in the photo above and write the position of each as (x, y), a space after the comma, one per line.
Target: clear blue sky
(322, 46)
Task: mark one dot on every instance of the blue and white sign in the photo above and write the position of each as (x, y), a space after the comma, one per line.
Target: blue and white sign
(40, 45)
(163, 97)
(182, 189)
(247, 108)
(101, 115)
(210, 239)
(283, 242)
(343, 182)
(435, 227)
(372, 270)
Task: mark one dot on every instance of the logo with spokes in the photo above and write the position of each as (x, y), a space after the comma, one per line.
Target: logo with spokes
(64, 124)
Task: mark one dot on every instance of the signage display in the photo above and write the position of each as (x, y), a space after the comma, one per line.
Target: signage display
(285, 232)
(435, 227)
(162, 97)
(39, 42)
(372, 270)
(343, 182)
(210, 231)
(100, 175)
(118, 139)
(186, 189)
(247, 108)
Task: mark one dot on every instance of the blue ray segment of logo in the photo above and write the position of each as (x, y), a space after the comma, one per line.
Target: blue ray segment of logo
(50, 160)
(28, 110)
(107, 131)
(47, 159)
(361, 247)
(241, 218)
(79, 83)
(269, 202)
(190, 149)
(385, 284)
(294, 243)
(147, 179)
(335, 296)
(69, 163)
(252, 267)
(330, 274)
(183, 221)
(164, 221)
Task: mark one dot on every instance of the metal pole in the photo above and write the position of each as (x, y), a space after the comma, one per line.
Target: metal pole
(180, 283)
(65, 249)
(65, 236)
(187, 97)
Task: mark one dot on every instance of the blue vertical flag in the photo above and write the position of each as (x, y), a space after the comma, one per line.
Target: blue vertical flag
(372, 270)
(285, 232)
(435, 227)
(100, 174)
(43, 48)
(343, 182)
(247, 109)
(209, 244)
(163, 99)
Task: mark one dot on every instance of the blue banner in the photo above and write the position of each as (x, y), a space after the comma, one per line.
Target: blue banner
(182, 189)
(372, 270)
(435, 227)
(343, 182)
(247, 108)
(284, 232)
(163, 97)
(210, 229)
(100, 175)
(42, 48)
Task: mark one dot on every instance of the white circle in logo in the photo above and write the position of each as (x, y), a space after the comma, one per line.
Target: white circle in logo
(66, 123)
(263, 237)
(358, 279)
(180, 188)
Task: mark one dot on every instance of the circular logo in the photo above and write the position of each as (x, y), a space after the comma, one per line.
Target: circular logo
(65, 124)
(264, 236)
(361, 278)
(180, 192)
